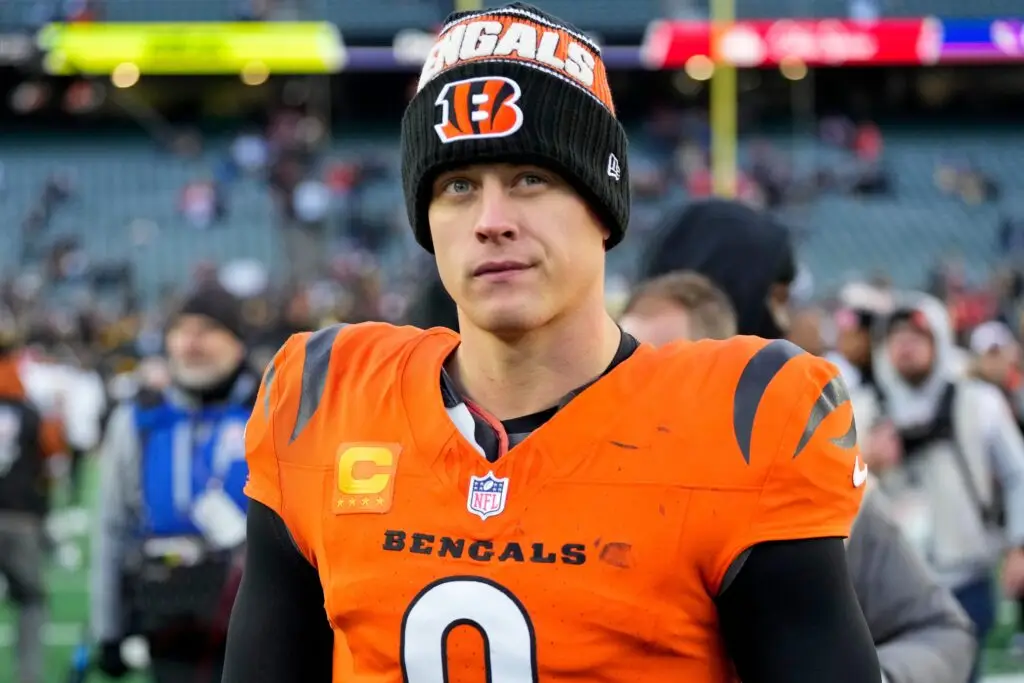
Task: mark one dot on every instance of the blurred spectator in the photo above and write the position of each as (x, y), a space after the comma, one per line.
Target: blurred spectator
(745, 252)
(949, 453)
(997, 360)
(140, 584)
(201, 203)
(28, 438)
(967, 182)
(860, 307)
(250, 153)
(868, 144)
(678, 305)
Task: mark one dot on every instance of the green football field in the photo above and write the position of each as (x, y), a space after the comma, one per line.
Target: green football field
(69, 604)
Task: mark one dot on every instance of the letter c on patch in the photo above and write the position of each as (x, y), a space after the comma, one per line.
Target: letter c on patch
(373, 475)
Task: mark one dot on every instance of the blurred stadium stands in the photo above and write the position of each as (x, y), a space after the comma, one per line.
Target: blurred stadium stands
(125, 204)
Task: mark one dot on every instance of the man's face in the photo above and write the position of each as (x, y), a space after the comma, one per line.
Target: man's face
(657, 321)
(911, 351)
(516, 247)
(201, 352)
(997, 363)
(854, 344)
(853, 338)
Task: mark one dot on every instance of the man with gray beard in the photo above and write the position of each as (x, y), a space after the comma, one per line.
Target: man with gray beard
(171, 523)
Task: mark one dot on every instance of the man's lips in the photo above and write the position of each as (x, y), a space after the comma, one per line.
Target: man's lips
(498, 267)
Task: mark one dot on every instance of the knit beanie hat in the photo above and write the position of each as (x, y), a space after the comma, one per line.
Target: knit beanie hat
(515, 85)
(216, 303)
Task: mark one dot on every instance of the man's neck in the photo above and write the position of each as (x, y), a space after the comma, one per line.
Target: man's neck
(534, 373)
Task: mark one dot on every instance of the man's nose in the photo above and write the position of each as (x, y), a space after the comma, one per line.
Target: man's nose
(497, 219)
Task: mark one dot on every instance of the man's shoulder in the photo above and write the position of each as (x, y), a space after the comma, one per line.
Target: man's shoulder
(341, 349)
(771, 441)
(742, 401)
(121, 434)
(734, 351)
(337, 371)
(742, 369)
(979, 391)
(983, 402)
(322, 390)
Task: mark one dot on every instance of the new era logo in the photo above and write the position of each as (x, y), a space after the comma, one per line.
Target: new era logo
(614, 169)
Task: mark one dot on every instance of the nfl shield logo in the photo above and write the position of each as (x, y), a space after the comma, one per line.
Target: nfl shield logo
(487, 495)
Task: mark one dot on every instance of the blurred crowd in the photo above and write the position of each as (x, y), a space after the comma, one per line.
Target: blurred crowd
(936, 376)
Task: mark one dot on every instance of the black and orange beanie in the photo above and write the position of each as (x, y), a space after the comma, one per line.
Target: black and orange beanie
(515, 85)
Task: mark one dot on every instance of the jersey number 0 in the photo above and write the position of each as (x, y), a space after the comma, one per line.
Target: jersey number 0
(509, 641)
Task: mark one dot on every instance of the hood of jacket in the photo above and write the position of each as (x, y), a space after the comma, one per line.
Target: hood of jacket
(742, 250)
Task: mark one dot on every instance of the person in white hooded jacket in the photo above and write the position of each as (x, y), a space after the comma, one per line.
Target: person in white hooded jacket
(949, 456)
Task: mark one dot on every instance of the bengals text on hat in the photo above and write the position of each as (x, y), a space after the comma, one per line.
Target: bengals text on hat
(514, 40)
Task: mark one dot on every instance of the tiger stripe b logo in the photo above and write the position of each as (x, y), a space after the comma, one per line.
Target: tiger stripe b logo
(476, 108)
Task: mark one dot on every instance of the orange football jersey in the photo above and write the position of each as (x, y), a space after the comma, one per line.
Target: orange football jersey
(593, 550)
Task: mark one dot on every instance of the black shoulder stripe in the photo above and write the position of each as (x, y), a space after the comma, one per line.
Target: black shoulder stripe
(314, 375)
(833, 395)
(268, 383)
(849, 438)
(760, 370)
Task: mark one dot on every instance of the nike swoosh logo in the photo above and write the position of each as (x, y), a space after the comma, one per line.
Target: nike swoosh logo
(860, 473)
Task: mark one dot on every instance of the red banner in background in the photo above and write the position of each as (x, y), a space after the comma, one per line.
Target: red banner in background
(822, 42)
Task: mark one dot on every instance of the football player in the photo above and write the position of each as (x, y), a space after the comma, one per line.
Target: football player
(532, 499)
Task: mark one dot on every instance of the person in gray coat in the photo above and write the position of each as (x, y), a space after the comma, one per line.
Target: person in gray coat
(921, 633)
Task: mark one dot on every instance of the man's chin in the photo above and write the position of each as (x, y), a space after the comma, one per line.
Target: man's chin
(509, 322)
(196, 379)
(916, 378)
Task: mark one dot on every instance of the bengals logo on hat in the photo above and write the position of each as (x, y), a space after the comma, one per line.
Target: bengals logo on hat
(476, 108)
